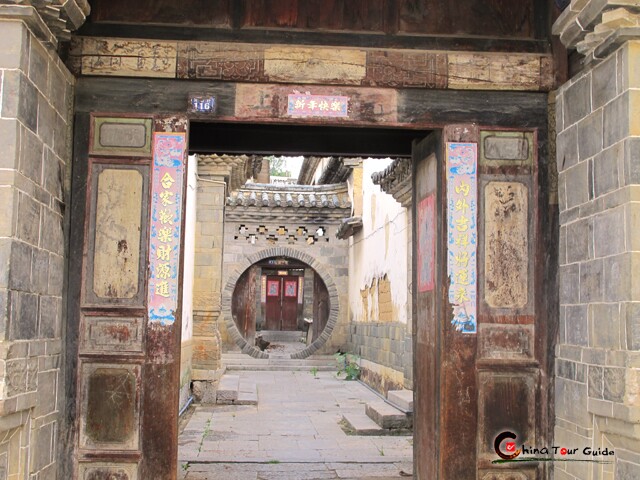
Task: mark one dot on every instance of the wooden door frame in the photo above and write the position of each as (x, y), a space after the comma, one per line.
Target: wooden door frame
(529, 115)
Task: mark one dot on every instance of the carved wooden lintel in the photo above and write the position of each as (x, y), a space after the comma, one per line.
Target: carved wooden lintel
(384, 68)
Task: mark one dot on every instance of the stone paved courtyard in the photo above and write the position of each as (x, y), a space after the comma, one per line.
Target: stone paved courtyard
(293, 433)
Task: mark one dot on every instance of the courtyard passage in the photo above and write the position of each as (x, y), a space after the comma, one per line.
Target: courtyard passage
(294, 433)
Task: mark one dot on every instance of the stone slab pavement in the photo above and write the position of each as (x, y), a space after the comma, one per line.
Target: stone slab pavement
(293, 433)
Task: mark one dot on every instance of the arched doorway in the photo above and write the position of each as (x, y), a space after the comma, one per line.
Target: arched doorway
(280, 305)
(249, 306)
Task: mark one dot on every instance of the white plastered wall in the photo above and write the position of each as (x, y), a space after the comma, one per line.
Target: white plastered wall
(187, 281)
(379, 249)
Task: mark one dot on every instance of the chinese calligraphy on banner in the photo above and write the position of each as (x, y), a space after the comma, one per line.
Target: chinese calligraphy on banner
(166, 219)
(462, 233)
(303, 105)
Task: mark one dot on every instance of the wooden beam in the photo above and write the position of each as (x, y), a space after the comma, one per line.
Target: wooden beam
(266, 103)
(266, 63)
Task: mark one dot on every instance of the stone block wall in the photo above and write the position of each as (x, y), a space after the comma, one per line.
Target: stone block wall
(328, 251)
(35, 127)
(598, 363)
(207, 271)
(386, 353)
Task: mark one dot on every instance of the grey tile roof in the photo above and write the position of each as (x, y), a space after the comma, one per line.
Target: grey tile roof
(291, 196)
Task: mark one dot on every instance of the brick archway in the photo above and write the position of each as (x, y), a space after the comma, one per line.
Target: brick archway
(250, 260)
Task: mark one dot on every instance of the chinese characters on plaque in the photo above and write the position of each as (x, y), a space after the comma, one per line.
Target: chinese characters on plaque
(306, 105)
(462, 233)
(166, 218)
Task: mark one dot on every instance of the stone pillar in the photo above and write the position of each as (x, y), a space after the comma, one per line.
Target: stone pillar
(598, 155)
(207, 277)
(35, 132)
(264, 176)
(308, 293)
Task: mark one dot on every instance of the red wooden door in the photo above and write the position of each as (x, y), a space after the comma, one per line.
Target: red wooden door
(274, 302)
(290, 303)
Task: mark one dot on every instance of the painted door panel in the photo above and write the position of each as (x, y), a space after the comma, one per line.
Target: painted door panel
(290, 303)
(273, 309)
(478, 376)
(127, 368)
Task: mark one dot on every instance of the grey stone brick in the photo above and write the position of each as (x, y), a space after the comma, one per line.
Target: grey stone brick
(580, 240)
(30, 161)
(571, 402)
(40, 271)
(568, 216)
(622, 72)
(559, 107)
(576, 321)
(8, 202)
(46, 404)
(43, 447)
(577, 184)
(562, 325)
(604, 325)
(617, 278)
(627, 470)
(604, 79)
(562, 193)
(5, 258)
(595, 382)
(562, 247)
(4, 310)
(590, 135)
(608, 232)
(46, 121)
(51, 235)
(38, 66)
(632, 161)
(632, 318)
(570, 284)
(616, 120)
(581, 372)
(10, 140)
(566, 369)
(591, 281)
(56, 275)
(567, 148)
(14, 53)
(50, 311)
(20, 272)
(577, 104)
(19, 98)
(57, 90)
(605, 169)
(23, 325)
(613, 382)
(52, 173)
(594, 356)
(28, 224)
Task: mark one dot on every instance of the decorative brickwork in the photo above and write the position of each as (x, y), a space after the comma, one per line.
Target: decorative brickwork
(35, 128)
(597, 375)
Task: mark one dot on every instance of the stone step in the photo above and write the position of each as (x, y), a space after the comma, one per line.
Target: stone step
(278, 368)
(360, 424)
(387, 416)
(402, 399)
(275, 336)
(228, 389)
(243, 362)
(247, 393)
